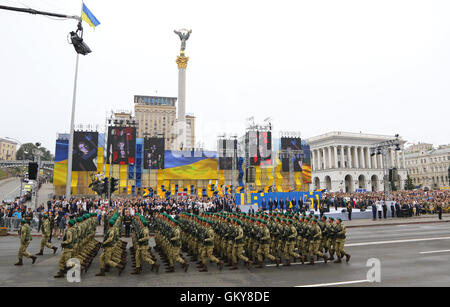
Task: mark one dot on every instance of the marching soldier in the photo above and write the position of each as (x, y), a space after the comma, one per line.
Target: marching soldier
(175, 245)
(238, 246)
(142, 249)
(315, 237)
(264, 247)
(25, 239)
(207, 252)
(106, 256)
(67, 246)
(291, 236)
(46, 236)
(340, 241)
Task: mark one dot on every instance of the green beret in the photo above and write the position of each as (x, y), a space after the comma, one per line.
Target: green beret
(79, 219)
(23, 220)
(339, 219)
(308, 219)
(331, 219)
(45, 216)
(315, 221)
(111, 222)
(72, 222)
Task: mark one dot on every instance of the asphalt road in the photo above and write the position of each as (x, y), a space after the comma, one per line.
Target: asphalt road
(9, 188)
(410, 255)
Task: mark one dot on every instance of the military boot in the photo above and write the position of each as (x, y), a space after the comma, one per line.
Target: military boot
(249, 264)
(107, 268)
(59, 274)
(33, 258)
(186, 266)
(278, 261)
(220, 265)
(204, 268)
(311, 261)
(234, 266)
(260, 265)
(156, 268)
(101, 273)
(19, 262)
(288, 262)
(120, 268)
(347, 258)
(171, 269)
(137, 271)
(325, 258)
(40, 253)
(338, 260)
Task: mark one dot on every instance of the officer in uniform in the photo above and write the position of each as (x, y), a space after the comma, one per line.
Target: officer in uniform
(25, 239)
(45, 237)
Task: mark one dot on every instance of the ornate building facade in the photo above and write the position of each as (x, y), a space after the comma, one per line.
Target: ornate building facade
(428, 167)
(342, 162)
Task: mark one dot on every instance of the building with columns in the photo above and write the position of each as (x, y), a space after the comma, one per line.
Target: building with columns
(341, 162)
(427, 166)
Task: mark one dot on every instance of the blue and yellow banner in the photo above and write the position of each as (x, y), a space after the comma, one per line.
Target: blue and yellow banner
(87, 16)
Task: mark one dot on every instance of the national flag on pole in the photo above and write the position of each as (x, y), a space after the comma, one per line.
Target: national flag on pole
(87, 16)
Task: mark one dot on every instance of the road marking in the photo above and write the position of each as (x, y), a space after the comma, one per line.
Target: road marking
(335, 283)
(397, 241)
(432, 252)
(295, 263)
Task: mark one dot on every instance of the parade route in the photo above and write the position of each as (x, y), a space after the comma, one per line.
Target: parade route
(410, 255)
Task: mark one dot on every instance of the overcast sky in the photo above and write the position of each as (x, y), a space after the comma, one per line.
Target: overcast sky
(313, 66)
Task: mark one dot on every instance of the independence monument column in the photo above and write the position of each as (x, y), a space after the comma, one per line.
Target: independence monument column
(182, 60)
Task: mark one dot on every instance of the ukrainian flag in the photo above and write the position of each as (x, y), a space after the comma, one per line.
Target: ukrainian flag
(87, 16)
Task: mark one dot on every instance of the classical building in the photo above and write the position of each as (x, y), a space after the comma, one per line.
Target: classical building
(7, 149)
(428, 167)
(156, 117)
(341, 162)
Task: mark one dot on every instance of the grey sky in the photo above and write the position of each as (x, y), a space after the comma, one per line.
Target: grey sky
(313, 66)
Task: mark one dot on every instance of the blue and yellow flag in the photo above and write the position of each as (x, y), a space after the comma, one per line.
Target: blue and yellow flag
(87, 16)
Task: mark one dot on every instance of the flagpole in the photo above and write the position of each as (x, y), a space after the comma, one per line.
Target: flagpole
(72, 124)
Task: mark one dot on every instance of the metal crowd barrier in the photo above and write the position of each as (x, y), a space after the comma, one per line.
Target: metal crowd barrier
(13, 223)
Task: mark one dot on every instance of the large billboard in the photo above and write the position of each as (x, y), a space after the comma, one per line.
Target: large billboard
(291, 144)
(265, 148)
(121, 145)
(154, 153)
(259, 148)
(85, 147)
(226, 150)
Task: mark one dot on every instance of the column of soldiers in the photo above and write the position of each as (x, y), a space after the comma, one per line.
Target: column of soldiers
(230, 237)
(114, 250)
(168, 241)
(140, 250)
(79, 242)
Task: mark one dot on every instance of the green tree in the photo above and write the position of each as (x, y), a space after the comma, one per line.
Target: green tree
(409, 183)
(25, 152)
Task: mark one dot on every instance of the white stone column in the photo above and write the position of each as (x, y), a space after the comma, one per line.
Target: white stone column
(375, 161)
(397, 158)
(403, 160)
(355, 150)
(335, 157)
(362, 157)
(368, 158)
(319, 159)
(312, 160)
(349, 155)
(342, 157)
(330, 165)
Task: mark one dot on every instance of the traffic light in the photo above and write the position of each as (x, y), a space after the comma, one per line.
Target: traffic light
(32, 170)
(77, 41)
(105, 185)
(114, 184)
(97, 186)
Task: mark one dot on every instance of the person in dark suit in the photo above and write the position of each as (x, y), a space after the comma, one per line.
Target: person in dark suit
(270, 204)
(374, 211)
(263, 204)
(275, 203)
(300, 205)
(392, 210)
(281, 204)
(384, 210)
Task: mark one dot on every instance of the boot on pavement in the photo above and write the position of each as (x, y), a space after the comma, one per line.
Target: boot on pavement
(40, 253)
(204, 269)
(101, 273)
(347, 258)
(136, 271)
(220, 265)
(19, 262)
(34, 259)
(59, 274)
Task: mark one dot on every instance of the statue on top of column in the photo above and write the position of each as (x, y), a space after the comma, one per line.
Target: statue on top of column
(184, 36)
